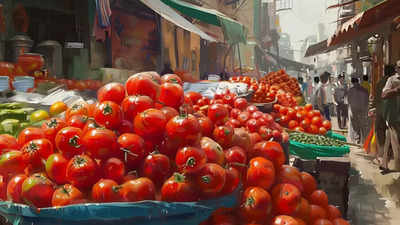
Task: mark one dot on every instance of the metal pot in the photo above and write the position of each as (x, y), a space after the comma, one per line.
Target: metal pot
(20, 44)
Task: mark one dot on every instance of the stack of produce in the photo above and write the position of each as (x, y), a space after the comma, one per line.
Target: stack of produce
(283, 81)
(315, 140)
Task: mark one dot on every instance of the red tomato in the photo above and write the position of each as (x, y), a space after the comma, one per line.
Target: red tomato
(90, 125)
(101, 143)
(139, 84)
(240, 103)
(36, 151)
(253, 125)
(317, 121)
(184, 129)
(308, 107)
(327, 124)
(133, 105)
(236, 157)
(178, 189)
(131, 175)
(12, 162)
(251, 109)
(194, 96)
(243, 117)
(265, 133)
(305, 124)
(37, 191)
(270, 150)
(78, 121)
(77, 109)
(290, 175)
(313, 129)
(171, 95)
(319, 197)
(190, 159)
(257, 115)
(156, 167)
(106, 190)
(210, 179)
(333, 212)
(29, 134)
(56, 168)
(171, 78)
(132, 146)
(286, 198)
(223, 135)
(322, 222)
(299, 129)
(169, 112)
(150, 123)
(284, 220)
(291, 113)
(14, 188)
(206, 126)
(168, 147)
(7, 142)
(203, 101)
(256, 204)
(125, 127)
(213, 150)
(114, 92)
(292, 124)
(233, 123)
(322, 131)
(3, 188)
(138, 190)
(108, 114)
(235, 113)
(81, 165)
(261, 173)
(113, 169)
(218, 114)
(340, 221)
(66, 195)
(229, 99)
(51, 127)
(232, 181)
(68, 141)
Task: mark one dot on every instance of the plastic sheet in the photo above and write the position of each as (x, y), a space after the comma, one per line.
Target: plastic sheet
(310, 151)
(138, 213)
(336, 136)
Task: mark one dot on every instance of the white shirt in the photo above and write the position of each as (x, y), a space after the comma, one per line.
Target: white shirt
(392, 82)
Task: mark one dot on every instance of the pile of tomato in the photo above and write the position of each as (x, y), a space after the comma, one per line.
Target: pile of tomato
(79, 85)
(283, 81)
(302, 119)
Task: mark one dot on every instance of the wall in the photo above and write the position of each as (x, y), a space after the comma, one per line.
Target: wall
(395, 47)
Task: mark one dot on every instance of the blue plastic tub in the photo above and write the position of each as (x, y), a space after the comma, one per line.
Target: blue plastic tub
(22, 84)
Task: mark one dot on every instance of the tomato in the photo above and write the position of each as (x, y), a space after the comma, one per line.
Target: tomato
(139, 189)
(90, 125)
(319, 197)
(77, 109)
(327, 124)
(255, 138)
(235, 113)
(14, 188)
(131, 175)
(184, 129)
(82, 172)
(51, 128)
(150, 123)
(291, 113)
(303, 210)
(333, 212)
(68, 141)
(317, 212)
(190, 159)
(286, 198)
(233, 123)
(108, 114)
(113, 169)
(12, 162)
(322, 222)
(340, 221)
(57, 108)
(171, 95)
(308, 107)
(253, 125)
(194, 96)
(38, 115)
(261, 173)
(284, 220)
(142, 85)
(270, 150)
(125, 127)
(7, 142)
(114, 92)
(156, 167)
(78, 121)
(178, 189)
(277, 136)
(322, 131)
(3, 188)
(101, 143)
(36, 151)
(292, 124)
(232, 181)
(66, 195)
(309, 183)
(256, 204)
(305, 124)
(240, 103)
(283, 110)
(223, 135)
(169, 112)
(29, 134)
(218, 114)
(229, 99)
(132, 146)
(210, 179)
(251, 109)
(316, 113)
(203, 101)
(56, 167)
(236, 157)
(37, 191)
(206, 126)
(213, 151)
(133, 105)
(106, 190)
(317, 121)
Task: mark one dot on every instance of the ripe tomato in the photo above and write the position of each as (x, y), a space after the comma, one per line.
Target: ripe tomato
(292, 124)
(194, 96)
(101, 143)
(234, 123)
(284, 120)
(66, 195)
(106, 190)
(270, 150)
(322, 131)
(178, 189)
(308, 107)
(113, 169)
(56, 168)
(223, 135)
(327, 124)
(91, 108)
(286, 198)
(140, 84)
(317, 121)
(236, 157)
(232, 181)
(132, 146)
(12, 162)
(319, 197)
(190, 159)
(240, 103)
(78, 121)
(261, 173)
(57, 108)
(206, 126)
(77, 109)
(203, 101)
(114, 92)
(313, 129)
(317, 212)
(51, 128)
(150, 124)
(322, 222)
(108, 114)
(133, 105)
(82, 172)
(284, 220)
(29, 134)
(68, 141)
(213, 150)
(36, 151)
(305, 124)
(229, 99)
(340, 221)
(7, 142)
(131, 175)
(265, 133)
(125, 127)
(218, 114)
(14, 188)
(171, 95)
(169, 112)
(256, 204)
(235, 113)
(289, 175)
(291, 113)
(303, 210)
(251, 109)
(333, 212)
(253, 125)
(139, 189)
(184, 129)
(156, 167)
(309, 183)
(37, 191)
(210, 179)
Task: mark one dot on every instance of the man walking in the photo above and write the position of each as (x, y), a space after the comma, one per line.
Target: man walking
(358, 111)
(340, 101)
(324, 95)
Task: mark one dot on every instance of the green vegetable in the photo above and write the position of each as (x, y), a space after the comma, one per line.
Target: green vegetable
(10, 126)
(12, 105)
(315, 139)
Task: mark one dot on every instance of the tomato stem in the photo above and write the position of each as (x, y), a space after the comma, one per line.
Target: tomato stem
(206, 179)
(179, 177)
(107, 110)
(74, 141)
(250, 201)
(191, 161)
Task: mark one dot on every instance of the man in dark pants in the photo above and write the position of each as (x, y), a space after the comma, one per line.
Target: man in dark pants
(324, 95)
(340, 101)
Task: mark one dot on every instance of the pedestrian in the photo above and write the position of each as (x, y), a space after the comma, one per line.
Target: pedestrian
(340, 101)
(357, 98)
(376, 113)
(325, 95)
(365, 84)
(314, 89)
(391, 110)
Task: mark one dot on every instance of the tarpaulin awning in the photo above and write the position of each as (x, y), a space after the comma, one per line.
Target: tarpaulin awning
(234, 32)
(298, 66)
(318, 48)
(169, 14)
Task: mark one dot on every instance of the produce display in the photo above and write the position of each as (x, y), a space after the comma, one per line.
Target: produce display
(315, 139)
(283, 81)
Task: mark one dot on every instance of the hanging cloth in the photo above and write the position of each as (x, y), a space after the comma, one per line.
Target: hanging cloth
(104, 13)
